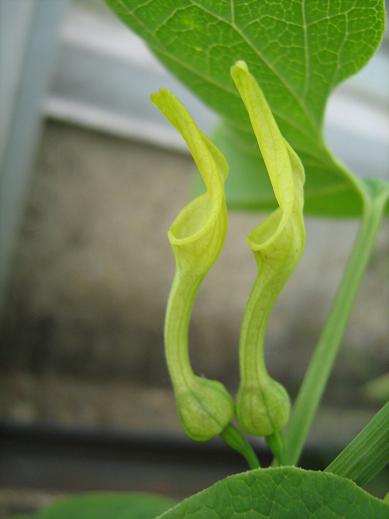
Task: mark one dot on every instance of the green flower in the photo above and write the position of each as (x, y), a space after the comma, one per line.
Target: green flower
(277, 243)
(197, 235)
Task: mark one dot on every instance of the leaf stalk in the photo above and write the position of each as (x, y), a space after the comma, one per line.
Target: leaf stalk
(375, 196)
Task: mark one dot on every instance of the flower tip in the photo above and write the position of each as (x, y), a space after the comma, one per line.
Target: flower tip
(154, 97)
(242, 64)
(239, 65)
(239, 71)
(157, 98)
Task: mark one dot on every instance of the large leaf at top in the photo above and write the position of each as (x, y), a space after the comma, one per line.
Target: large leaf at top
(297, 50)
(281, 493)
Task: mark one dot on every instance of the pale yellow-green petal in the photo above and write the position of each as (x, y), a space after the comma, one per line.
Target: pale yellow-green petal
(197, 235)
(277, 243)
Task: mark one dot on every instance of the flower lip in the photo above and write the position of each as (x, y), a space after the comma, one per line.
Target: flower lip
(283, 165)
(254, 238)
(187, 213)
(198, 217)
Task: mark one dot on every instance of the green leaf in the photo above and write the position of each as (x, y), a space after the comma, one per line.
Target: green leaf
(282, 493)
(368, 453)
(297, 51)
(104, 506)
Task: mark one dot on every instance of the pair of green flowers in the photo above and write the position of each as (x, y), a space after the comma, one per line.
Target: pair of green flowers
(262, 406)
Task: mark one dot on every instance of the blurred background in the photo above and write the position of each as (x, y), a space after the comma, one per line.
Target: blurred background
(91, 177)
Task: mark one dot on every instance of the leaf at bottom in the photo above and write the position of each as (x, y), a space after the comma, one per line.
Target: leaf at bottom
(281, 493)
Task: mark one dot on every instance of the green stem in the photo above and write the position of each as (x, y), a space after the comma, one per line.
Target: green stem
(276, 444)
(251, 344)
(178, 314)
(235, 439)
(318, 372)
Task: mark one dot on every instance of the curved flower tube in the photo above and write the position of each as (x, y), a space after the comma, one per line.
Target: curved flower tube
(277, 243)
(197, 235)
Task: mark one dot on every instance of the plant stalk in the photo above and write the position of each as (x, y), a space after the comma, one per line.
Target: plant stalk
(275, 442)
(319, 370)
(235, 439)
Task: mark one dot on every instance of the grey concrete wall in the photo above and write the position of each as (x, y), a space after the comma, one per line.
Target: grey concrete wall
(93, 268)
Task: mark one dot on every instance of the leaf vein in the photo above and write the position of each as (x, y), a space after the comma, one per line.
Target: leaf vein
(269, 66)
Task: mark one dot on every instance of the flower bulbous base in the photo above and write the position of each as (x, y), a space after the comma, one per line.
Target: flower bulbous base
(205, 408)
(263, 409)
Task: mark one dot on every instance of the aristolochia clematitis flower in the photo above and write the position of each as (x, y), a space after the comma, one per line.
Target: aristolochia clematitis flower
(262, 403)
(197, 235)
